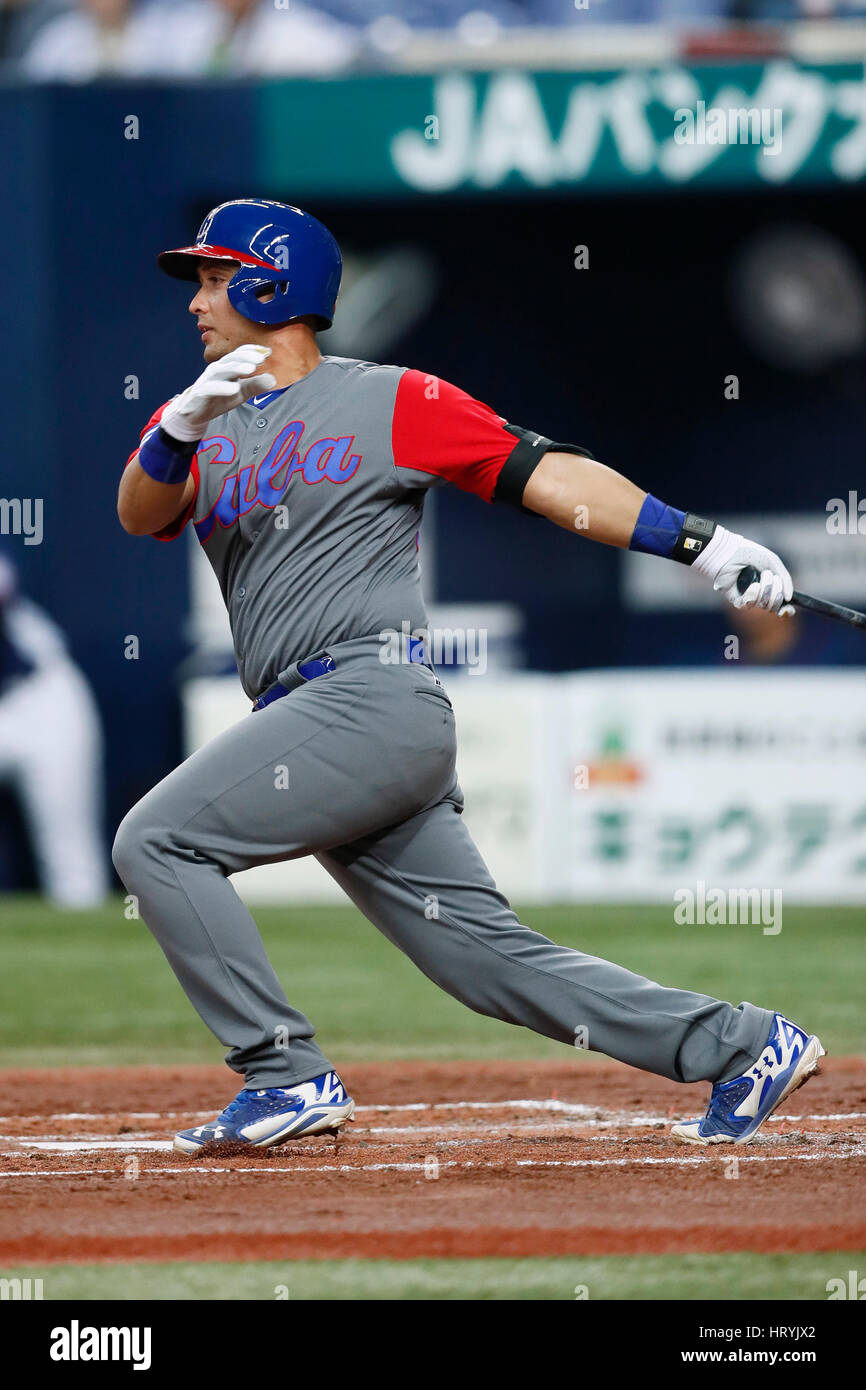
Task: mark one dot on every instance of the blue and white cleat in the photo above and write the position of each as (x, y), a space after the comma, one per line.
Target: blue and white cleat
(265, 1118)
(739, 1107)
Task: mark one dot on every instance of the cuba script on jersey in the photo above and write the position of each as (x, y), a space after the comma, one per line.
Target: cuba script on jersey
(266, 483)
(308, 502)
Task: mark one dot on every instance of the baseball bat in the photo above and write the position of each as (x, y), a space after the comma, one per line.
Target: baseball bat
(823, 606)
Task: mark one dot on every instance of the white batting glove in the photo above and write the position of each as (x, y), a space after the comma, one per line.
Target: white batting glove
(722, 560)
(221, 386)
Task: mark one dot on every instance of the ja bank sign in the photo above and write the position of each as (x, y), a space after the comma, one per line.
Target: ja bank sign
(736, 125)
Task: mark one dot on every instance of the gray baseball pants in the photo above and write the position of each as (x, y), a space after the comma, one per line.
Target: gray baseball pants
(357, 767)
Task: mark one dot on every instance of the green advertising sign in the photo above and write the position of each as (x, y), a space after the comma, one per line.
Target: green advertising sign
(743, 126)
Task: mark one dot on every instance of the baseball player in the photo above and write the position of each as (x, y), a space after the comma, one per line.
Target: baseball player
(304, 479)
(51, 749)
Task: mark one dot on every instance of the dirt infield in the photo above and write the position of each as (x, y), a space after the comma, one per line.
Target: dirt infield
(456, 1158)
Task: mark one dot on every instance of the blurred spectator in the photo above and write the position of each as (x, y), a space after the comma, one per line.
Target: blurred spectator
(51, 749)
(687, 14)
(188, 38)
(77, 40)
(425, 14)
(81, 43)
(239, 37)
(21, 21)
(430, 14)
(15, 17)
(762, 639)
(767, 640)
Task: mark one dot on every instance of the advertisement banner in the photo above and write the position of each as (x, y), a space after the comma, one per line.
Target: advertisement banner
(653, 786)
(747, 780)
(741, 125)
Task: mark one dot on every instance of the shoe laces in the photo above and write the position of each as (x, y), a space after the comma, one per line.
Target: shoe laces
(731, 1093)
(243, 1099)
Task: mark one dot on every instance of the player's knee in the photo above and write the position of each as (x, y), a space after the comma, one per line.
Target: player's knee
(130, 848)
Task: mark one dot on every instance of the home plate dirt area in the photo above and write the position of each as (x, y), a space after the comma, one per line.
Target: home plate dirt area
(457, 1158)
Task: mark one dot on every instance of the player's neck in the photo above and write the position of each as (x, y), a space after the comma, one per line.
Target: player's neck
(294, 354)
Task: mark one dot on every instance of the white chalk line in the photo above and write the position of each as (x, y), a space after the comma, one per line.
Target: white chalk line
(439, 1136)
(518, 1128)
(569, 1116)
(589, 1115)
(550, 1105)
(857, 1151)
(92, 1143)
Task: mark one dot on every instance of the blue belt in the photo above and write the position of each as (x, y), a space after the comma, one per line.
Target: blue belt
(307, 670)
(321, 666)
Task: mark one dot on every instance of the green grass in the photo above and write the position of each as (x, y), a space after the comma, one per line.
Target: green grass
(93, 988)
(744, 1276)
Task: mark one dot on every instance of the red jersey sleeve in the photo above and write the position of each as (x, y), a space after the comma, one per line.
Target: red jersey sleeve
(441, 431)
(169, 532)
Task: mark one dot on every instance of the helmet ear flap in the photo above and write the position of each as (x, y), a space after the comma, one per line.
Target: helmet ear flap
(271, 289)
(261, 299)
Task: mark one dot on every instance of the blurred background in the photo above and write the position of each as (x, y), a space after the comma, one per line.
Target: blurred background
(524, 210)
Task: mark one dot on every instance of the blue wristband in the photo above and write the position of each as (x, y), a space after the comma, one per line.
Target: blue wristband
(666, 531)
(165, 459)
(657, 528)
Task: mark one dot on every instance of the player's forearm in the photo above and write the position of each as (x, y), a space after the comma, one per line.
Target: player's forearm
(583, 495)
(145, 505)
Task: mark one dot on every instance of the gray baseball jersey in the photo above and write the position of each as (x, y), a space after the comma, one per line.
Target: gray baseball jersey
(308, 502)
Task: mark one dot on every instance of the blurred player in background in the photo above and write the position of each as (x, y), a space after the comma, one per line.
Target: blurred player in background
(51, 749)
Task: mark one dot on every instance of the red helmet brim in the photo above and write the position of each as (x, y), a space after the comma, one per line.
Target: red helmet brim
(182, 263)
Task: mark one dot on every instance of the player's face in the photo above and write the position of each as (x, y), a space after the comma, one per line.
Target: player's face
(222, 328)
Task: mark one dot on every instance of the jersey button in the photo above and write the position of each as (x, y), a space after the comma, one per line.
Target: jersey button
(261, 422)
(241, 591)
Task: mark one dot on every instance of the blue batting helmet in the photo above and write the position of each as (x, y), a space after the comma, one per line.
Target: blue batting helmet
(282, 250)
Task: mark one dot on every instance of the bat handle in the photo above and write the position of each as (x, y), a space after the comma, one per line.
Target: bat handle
(746, 577)
(749, 574)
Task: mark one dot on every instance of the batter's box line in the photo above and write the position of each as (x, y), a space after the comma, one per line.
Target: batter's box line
(550, 1105)
(589, 1113)
(413, 1167)
(442, 1138)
